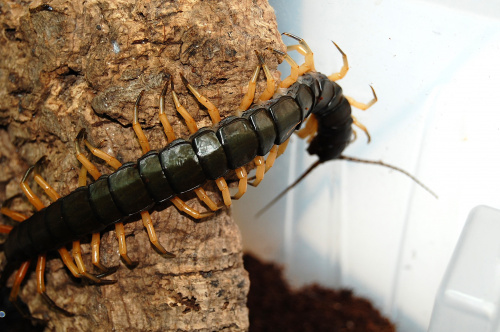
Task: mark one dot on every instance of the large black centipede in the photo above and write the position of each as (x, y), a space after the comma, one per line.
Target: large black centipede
(184, 165)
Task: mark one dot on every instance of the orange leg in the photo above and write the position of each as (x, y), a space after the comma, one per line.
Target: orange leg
(282, 147)
(294, 73)
(40, 282)
(363, 106)
(362, 127)
(202, 195)
(271, 157)
(303, 49)
(32, 198)
(212, 110)
(309, 129)
(13, 214)
(21, 273)
(182, 206)
(192, 126)
(241, 173)
(122, 246)
(143, 141)
(148, 224)
(260, 171)
(226, 195)
(249, 96)
(343, 70)
(96, 260)
(77, 255)
(167, 128)
(269, 91)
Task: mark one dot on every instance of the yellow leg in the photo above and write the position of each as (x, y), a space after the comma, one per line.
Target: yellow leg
(226, 195)
(303, 49)
(271, 157)
(182, 206)
(143, 141)
(282, 147)
(192, 126)
(362, 127)
(343, 70)
(169, 132)
(32, 198)
(241, 173)
(77, 255)
(110, 160)
(212, 110)
(309, 129)
(12, 215)
(294, 72)
(148, 224)
(260, 171)
(40, 282)
(122, 246)
(202, 195)
(250, 95)
(94, 172)
(21, 273)
(269, 91)
(68, 261)
(96, 259)
(363, 106)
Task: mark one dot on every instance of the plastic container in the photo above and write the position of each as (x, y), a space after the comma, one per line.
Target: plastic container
(468, 298)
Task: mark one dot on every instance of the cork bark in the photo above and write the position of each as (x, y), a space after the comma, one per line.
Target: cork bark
(68, 65)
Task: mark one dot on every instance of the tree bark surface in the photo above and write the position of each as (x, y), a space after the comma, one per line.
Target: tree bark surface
(67, 65)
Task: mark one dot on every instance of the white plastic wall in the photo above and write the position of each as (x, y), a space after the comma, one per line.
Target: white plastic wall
(436, 69)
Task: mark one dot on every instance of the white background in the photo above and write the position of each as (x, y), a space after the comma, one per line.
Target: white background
(435, 66)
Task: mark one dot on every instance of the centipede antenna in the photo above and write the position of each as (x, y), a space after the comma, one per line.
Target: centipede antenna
(290, 187)
(381, 163)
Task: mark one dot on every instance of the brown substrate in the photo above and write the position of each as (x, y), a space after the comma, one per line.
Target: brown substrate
(275, 307)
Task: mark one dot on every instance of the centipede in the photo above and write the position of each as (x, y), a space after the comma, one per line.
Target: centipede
(307, 102)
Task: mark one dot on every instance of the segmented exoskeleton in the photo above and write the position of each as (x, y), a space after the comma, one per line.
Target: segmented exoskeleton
(256, 130)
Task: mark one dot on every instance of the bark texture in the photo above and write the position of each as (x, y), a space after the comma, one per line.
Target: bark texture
(67, 65)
